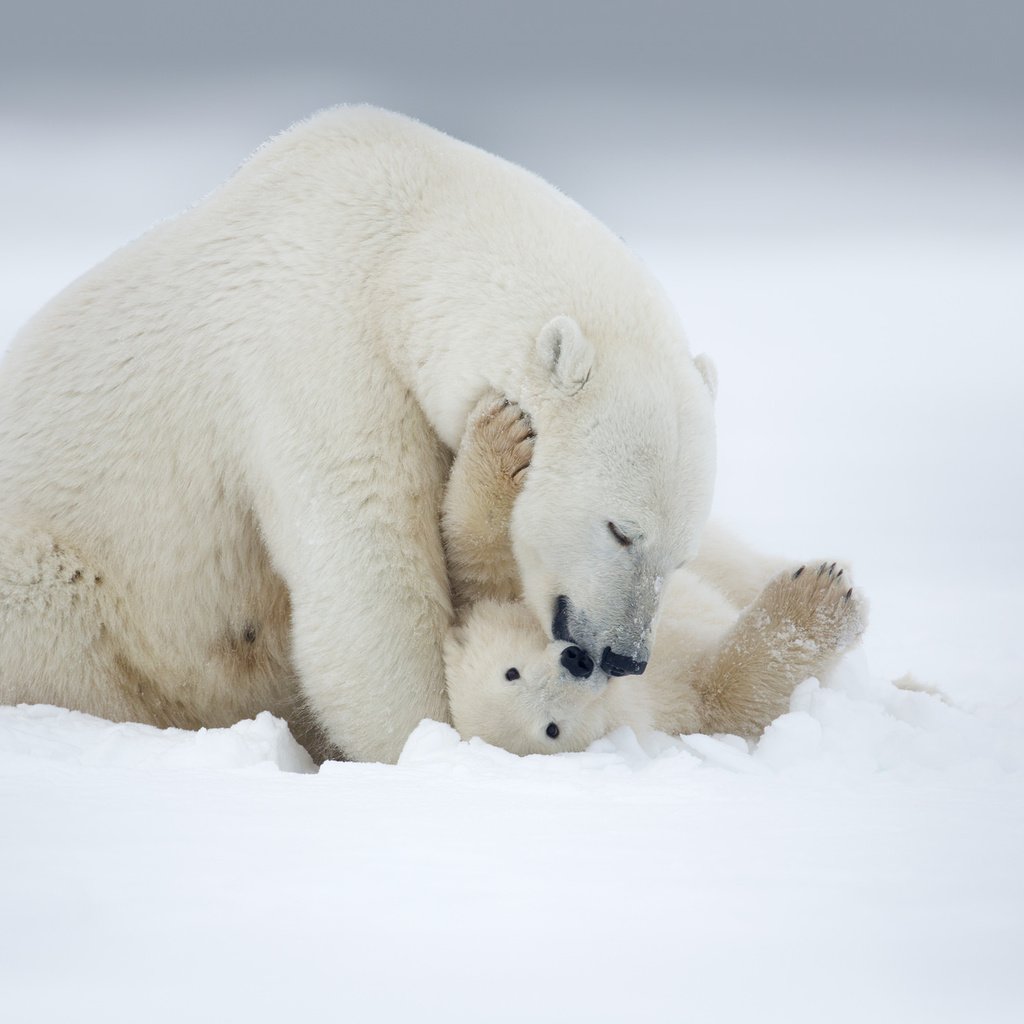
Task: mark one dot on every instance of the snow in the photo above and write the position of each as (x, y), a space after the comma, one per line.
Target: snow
(860, 862)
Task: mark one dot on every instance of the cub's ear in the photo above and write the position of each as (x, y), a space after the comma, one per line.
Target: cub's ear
(708, 372)
(567, 354)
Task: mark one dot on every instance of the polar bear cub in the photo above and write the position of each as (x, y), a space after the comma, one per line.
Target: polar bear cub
(721, 663)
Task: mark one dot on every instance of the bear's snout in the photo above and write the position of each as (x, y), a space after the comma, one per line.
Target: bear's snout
(620, 664)
(578, 663)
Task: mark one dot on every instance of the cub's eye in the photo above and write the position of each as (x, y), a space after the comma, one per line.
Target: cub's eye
(619, 535)
(512, 675)
(552, 730)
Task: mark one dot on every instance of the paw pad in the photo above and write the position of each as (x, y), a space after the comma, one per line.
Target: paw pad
(502, 433)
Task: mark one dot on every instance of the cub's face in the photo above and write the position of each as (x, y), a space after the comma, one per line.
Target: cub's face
(616, 496)
(508, 684)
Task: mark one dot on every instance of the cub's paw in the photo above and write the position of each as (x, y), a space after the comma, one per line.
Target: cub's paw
(499, 436)
(816, 605)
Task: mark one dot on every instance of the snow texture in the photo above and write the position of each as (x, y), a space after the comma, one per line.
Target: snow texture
(863, 861)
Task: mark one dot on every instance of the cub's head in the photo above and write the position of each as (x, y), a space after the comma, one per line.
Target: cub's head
(509, 685)
(618, 490)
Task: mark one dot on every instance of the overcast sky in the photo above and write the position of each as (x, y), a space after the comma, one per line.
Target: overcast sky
(595, 96)
(935, 47)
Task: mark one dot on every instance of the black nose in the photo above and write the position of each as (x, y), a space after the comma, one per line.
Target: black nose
(619, 665)
(578, 662)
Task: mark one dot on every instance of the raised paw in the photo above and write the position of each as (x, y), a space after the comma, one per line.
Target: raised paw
(486, 477)
(500, 436)
(816, 605)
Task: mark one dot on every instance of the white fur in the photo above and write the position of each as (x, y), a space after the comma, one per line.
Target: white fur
(222, 451)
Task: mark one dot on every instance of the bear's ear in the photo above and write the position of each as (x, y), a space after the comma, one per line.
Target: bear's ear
(567, 354)
(708, 372)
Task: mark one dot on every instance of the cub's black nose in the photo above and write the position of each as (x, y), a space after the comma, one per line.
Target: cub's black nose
(578, 662)
(619, 665)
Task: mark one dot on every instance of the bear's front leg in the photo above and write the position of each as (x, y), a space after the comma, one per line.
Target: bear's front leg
(353, 531)
(796, 627)
(486, 477)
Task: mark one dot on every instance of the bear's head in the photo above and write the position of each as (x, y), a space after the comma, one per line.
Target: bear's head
(509, 685)
(618, 490)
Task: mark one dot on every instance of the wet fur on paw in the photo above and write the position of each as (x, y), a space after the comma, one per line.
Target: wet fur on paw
(816, 605)
(802, 620)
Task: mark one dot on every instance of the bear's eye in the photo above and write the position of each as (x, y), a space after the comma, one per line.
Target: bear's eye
(552, 730)
(619, 535)
(512, 675)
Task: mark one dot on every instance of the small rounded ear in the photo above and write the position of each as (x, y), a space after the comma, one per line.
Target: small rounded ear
(708, 372)
(567, 354)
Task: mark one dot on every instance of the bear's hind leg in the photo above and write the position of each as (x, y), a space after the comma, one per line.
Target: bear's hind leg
(796, 627)
(733, 567)
(55, 643)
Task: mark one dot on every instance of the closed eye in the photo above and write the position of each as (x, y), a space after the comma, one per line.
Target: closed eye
(619, 535)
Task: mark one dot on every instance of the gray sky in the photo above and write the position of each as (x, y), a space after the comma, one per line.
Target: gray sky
(939, 48)
(597, 97)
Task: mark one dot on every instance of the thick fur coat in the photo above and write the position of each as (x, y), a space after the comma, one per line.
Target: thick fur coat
(223, 450)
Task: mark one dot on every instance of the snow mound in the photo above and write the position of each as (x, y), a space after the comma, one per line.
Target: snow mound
(31, 734)
(853, 725)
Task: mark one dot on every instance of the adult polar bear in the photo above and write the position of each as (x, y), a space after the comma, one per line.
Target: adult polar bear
(222, 451)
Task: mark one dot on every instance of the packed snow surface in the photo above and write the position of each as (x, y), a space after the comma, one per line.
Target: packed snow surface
(862, 862)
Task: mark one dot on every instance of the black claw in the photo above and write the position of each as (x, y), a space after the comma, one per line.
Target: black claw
(822, 567)
(796, 575)
(838, 574)
(832, 568)
(848, 594)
